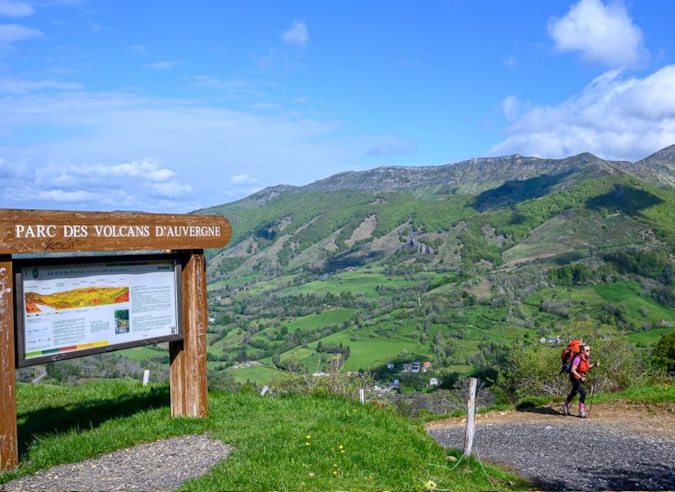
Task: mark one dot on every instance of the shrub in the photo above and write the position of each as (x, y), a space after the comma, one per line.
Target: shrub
(336, 383)
(534, 370)
(663, 354)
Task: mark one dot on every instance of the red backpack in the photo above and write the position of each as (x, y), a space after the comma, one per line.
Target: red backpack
(568, 355)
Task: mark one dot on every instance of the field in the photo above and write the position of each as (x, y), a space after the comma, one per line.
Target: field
(257, 373)
(357, 282)
(642, 312)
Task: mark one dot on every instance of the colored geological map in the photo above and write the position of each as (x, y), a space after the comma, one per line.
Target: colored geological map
(76, 298)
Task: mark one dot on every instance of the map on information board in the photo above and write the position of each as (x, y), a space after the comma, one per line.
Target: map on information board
(69, 308)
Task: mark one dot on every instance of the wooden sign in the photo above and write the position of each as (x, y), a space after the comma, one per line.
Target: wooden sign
(34, 231)
(40, 231)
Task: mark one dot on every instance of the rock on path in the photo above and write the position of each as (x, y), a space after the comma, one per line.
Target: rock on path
(159, 465)
(574, 454)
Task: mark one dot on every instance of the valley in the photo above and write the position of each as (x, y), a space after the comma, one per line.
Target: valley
(451, 265)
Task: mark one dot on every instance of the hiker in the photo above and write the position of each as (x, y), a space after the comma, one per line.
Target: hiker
(580, 366)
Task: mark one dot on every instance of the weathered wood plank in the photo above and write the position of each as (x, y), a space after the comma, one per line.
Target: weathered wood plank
(177, 378)
(195, 321)
(9, 454)
(49, 231)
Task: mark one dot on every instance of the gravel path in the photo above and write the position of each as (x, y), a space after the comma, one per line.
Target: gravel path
(573, 454)
(160, 465)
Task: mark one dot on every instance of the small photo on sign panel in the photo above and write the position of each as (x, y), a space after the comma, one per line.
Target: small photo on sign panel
(121, 321)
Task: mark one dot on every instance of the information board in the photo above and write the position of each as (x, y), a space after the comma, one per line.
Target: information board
(71, 309)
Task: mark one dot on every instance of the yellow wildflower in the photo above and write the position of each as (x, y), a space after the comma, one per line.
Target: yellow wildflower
(430, 485)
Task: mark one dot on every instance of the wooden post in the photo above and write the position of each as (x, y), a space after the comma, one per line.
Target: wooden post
(9, 451)
(470, 417)
(189, 384)
(177, 378)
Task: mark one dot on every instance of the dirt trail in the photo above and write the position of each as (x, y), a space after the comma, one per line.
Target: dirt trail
(649, 418)
(621, 446)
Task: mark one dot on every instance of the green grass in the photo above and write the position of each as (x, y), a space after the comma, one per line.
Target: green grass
(649, 337)
(382, 450)
(370, 352)
(143, 353)
(259, 374)
(625, 296)
(319, 320)
(647, 393)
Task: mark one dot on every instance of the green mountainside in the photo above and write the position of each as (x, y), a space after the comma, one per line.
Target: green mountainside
(443, 264)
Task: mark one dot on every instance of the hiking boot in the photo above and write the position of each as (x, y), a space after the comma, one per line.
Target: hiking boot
(582, 414)
(565, 410)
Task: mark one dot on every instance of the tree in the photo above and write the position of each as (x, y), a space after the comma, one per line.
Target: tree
(663, 354)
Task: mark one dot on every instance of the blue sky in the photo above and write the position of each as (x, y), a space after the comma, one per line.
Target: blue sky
(173, 106)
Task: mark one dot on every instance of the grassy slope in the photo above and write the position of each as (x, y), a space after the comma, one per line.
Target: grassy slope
(591, 217)
(382, 451)
(592, 299)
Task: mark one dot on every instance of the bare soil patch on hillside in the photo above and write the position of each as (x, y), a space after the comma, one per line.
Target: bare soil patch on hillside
(363, 231)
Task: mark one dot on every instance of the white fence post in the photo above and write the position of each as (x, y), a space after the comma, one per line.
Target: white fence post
(146, 377)
(470, 417)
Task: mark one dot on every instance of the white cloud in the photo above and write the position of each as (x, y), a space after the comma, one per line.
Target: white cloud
(297, 34)
(214, 83)
(510, 107)
(614, 117)
(14, 8)
(510, 62)
(171, 190)
(147, 169)
(15, 86)
(14, 171)
(602, 33)
(77, 196)
(391, 147)
(96, 142)
(162, 65)
(135, 185)
(139, 49)
(242, 179)
(11, 33)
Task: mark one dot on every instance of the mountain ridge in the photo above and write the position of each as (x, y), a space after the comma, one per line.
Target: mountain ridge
(480, 173)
